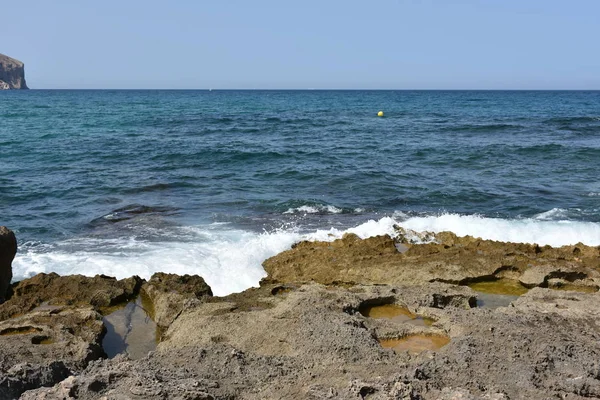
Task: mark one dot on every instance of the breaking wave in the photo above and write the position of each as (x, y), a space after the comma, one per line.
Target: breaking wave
(230, 260)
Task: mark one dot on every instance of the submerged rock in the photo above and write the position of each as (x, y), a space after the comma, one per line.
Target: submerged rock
(8, 249)
(12, 73)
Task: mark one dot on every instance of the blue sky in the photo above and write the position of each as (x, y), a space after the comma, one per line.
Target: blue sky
(402, 44)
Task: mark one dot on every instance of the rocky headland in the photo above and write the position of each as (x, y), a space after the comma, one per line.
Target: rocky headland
(12, 73)
(379, 318)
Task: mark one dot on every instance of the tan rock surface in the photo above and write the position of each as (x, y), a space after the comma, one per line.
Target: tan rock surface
(311, 342)
(455, 260)
(169, 294)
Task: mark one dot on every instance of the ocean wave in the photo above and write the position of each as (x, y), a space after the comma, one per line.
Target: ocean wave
(482, 127)
(157, 187)
(578, 119)
(230, 260)
(539, 149)
(553, 214)
(314, 209)
(544, 229)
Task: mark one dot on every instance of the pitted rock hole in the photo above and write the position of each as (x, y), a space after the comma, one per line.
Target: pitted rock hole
(22, 330)
(395, 313)
(416, 343)
(560, 284)
(130, 330)
(279, 290)
(41, 339)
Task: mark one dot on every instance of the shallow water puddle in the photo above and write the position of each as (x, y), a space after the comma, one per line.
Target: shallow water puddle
(500, 286)
(416, 343)
(497, 293)
(395, 313)
(130, 330)
(487, 300)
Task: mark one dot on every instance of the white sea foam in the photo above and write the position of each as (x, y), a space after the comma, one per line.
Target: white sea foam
(540, 230)
(231, 260)
(323, 209)
(553, 214)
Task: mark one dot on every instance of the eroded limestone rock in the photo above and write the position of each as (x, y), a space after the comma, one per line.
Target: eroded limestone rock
(52, 327)
(312, 342)
(170, 294)
(100, 292)
(451, 259)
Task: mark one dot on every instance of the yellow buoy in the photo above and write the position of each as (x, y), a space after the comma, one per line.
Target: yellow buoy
(380, 114)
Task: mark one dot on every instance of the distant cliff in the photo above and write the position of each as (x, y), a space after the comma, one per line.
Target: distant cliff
(12, 73)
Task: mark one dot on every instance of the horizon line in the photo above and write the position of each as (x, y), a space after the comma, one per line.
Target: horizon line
(322, 89)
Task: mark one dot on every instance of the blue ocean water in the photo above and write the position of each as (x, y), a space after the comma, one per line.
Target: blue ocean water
(213, 182)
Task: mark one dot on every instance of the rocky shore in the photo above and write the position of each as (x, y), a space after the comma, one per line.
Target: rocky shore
(380, 318)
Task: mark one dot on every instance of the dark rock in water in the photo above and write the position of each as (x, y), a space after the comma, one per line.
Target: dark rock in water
(12, 73)
(131, 211)
(8, 249)
(169, 294)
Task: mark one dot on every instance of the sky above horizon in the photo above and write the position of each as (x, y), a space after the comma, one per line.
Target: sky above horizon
(268, 44)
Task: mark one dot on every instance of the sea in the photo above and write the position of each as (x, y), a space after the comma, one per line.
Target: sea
(213, 182)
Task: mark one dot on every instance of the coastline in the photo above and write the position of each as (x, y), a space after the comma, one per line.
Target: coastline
(304, 334)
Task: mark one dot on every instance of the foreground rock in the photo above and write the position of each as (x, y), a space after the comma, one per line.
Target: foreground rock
(52, 327)
(8, 249)
(312, 342)
(99, 292)
(12, 73)
(170, 294)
